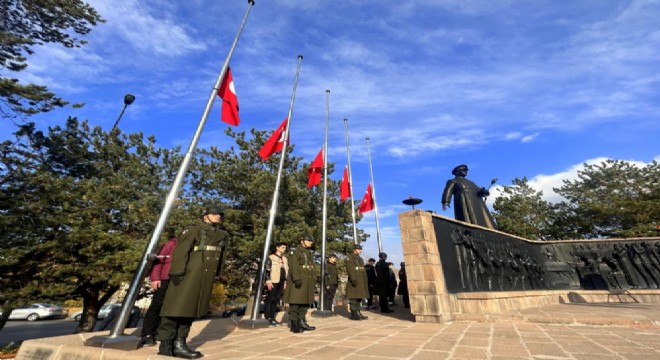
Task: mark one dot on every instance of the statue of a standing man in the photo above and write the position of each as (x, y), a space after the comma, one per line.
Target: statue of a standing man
(469, 204)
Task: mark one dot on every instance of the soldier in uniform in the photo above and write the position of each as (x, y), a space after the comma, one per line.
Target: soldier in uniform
(300, 284)
(196, 261)
(356, 288)
(331, 281)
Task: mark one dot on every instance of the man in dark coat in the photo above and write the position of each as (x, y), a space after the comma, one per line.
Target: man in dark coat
(331, 281)
(469, 205)
(403, 285)
(300, 284)
(356, 288)
(371, 280)
(383, 282)
(196, 261)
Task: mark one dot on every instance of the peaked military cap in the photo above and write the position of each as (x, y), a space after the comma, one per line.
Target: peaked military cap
(382, 255)
(307, 237)
(214, 209)
(357, 247)
(459, 167)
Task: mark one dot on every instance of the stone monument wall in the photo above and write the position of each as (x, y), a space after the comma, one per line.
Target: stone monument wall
(459, 268)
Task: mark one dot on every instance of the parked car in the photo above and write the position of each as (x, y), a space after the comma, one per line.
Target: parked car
(37, 311)
(238, 311)
(103, 312)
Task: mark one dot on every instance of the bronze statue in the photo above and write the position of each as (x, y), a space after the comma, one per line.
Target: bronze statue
(469, 204)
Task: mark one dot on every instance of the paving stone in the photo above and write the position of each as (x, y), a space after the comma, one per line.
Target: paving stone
(397, 337)
(509, 350)
(388, 351)
(468, 352)
(466, 341)
(430, 355)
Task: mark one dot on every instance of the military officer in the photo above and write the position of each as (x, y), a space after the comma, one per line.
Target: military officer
(300, 284)
(357, 286)
(196, 261)
(331, 281)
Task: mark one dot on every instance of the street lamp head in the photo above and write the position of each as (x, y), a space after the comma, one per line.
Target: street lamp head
(128, 99)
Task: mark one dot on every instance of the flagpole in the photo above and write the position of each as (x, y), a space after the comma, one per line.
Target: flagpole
(253, 322)
(130, 341)
(373, 192)
(321, 311)
(350, 183)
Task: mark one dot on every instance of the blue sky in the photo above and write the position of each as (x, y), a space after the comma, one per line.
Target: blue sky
(511, 88)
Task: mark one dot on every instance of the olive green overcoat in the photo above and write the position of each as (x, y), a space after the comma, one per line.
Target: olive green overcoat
(357, 275)
(196, 261)
(301, 267)
(331, 274)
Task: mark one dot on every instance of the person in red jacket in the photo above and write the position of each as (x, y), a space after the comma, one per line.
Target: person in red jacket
(160, 278)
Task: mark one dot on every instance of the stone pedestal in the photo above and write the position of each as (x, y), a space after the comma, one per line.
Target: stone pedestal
(429, 299)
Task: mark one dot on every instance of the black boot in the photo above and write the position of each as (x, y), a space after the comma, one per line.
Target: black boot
(181, 350)
(294, 326)
(362, 317)
(305, 326)
(165, 348)
(147, 341)
(355, 315)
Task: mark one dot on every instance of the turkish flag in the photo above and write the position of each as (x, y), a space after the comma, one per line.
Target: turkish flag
(274, 143)
(344, 186)
(314, 172)
(227, 93)
(367, 203)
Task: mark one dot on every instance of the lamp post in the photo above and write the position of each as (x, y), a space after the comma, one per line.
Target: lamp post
(128, 99)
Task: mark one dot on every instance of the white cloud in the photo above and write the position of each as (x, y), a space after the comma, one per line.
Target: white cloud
(547, 182)
(529, 138)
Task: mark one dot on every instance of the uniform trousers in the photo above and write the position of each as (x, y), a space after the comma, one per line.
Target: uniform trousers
(354, 304)
(171, 328)
(329, 296)
(152, 317)
(297, 311)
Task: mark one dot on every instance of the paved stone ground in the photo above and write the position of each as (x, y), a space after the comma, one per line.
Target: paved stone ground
(565, 331)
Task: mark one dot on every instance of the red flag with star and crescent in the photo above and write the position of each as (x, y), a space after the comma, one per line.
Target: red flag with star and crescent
(315, 169)
(344, 186)
(367, 203)
(227, 93)
(274, 143)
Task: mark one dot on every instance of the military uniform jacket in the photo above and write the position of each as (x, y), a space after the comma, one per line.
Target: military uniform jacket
(196, 261)
(331, 274)
(357, 275)
(301, 267)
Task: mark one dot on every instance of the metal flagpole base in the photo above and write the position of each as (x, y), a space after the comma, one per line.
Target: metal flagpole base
(322, 313)
(250, 324)
(123, 342)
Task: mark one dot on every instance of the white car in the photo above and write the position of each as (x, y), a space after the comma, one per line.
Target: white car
(103, 312)
(37, 311)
